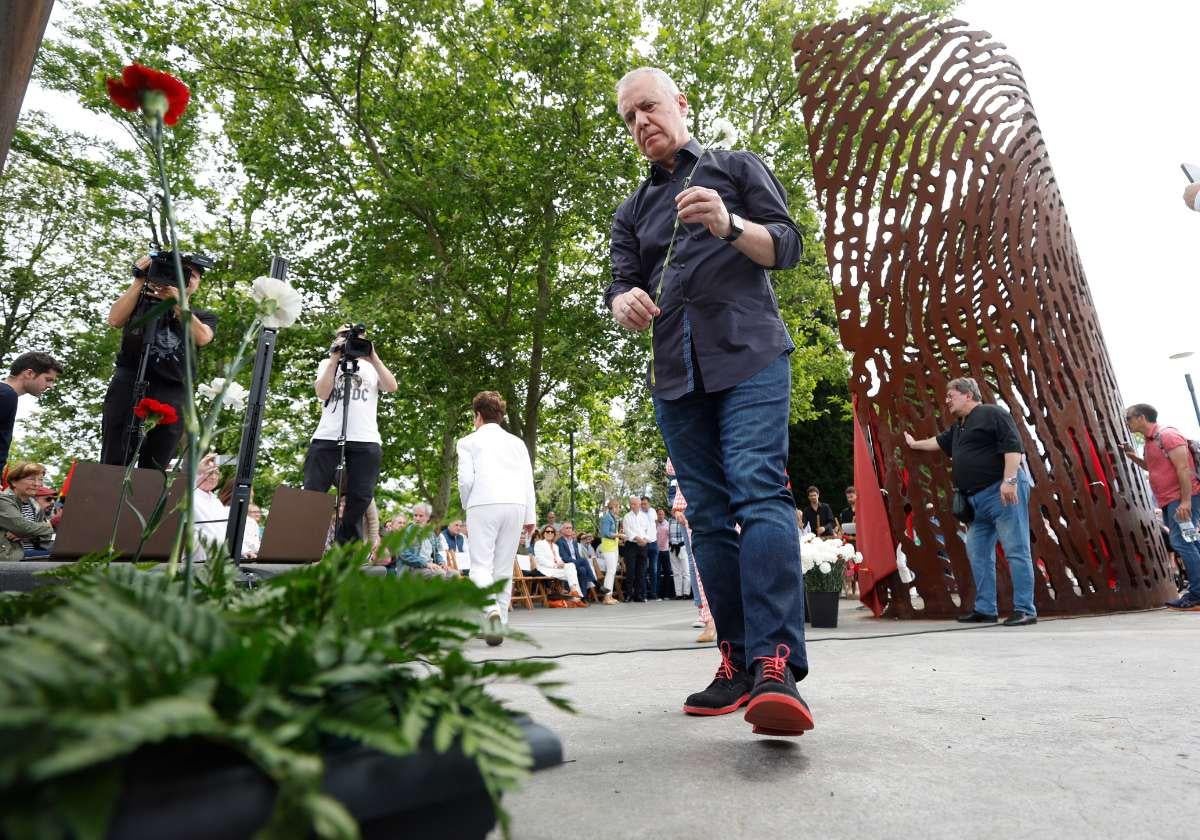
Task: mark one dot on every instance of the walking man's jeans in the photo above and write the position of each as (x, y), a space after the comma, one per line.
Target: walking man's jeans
(1009, 524)
(1189, 552)
(729, 449)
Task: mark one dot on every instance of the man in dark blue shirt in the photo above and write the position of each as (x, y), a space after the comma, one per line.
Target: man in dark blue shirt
(721, 382)
(31, 373)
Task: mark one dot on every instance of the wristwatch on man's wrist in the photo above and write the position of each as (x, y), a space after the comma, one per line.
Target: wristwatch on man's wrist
(737, 226)
(1012, 480)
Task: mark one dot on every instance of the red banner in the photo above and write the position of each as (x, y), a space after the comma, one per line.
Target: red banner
(873, 535)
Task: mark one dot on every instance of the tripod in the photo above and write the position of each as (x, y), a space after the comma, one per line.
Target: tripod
(142, 384)
(347, 368)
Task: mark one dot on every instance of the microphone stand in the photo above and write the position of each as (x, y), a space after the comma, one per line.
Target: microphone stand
(239, 503)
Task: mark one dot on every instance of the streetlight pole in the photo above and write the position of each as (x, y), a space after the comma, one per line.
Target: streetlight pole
(571, 448)
(1187, 377)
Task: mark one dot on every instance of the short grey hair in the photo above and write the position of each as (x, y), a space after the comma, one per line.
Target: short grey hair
(664, 81)
(966, 385)
(423, 507)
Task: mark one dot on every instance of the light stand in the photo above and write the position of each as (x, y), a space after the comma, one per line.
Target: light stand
(1187, 378)
(571, 446)
(239, 503)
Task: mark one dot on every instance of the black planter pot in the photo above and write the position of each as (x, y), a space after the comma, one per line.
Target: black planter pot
(195, 790)
(823, 608)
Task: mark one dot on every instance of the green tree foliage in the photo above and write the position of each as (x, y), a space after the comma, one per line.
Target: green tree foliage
(446, 172)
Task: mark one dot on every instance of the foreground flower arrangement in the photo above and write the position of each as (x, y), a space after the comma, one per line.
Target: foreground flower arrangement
(116, 659)
(824, 562)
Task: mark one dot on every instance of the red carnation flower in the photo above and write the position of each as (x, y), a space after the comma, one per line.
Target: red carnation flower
(160, 413)
(137, 81)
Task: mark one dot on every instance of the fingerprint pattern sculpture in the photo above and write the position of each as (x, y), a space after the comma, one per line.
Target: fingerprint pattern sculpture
(951, 255)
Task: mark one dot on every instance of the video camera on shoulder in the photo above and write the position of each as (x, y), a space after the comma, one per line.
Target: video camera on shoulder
(355, 345)
(161, 271)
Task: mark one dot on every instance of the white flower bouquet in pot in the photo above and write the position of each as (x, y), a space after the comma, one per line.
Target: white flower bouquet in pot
(824, 562)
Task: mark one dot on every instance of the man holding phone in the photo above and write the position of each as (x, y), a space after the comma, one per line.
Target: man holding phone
(1191, 194)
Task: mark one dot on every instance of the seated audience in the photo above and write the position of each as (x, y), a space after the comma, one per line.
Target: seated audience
(424, 557)
(546, 562)
(569, 551)
(211, 517)
(25, 535)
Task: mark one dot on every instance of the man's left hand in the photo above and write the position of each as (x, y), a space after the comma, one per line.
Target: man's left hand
(700, 205)
(1008, 493)
(1190, 194)
(1183, 513)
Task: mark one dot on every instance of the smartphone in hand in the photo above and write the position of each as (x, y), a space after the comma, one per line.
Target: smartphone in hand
(1191, 171)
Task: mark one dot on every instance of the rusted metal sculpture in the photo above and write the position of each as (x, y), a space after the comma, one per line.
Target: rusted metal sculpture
(951, 255)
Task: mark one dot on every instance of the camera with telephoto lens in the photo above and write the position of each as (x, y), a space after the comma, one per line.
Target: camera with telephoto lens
(161, 271)
(354, 346)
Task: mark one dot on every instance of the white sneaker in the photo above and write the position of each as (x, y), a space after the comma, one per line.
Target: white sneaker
(697, 623)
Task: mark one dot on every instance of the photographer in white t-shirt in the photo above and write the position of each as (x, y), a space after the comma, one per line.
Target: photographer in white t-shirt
(365, 375)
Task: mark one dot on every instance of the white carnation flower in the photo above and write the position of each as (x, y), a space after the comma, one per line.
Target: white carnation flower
(724, 134)
(825, 567)
(234, 396)
(210, 390)
(279, 304)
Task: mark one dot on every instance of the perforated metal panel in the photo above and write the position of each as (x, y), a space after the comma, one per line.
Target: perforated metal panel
(951, 255)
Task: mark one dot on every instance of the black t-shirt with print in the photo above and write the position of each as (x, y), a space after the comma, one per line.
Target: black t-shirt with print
(977, 446)
(166, 353)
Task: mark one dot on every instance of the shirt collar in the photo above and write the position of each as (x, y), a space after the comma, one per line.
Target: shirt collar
(691, 148)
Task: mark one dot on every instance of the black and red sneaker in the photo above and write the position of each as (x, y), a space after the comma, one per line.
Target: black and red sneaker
(776, 707)
(728, 692)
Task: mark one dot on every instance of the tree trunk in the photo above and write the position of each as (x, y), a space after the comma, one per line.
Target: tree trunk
(441, 502)
(533, 390)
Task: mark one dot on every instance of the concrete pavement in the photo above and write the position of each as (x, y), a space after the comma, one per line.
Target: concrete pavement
(1076, 727)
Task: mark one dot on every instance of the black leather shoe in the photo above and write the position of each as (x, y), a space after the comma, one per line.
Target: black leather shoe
(976, 618)
(1020, 619)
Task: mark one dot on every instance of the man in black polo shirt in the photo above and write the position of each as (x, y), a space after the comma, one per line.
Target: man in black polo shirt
(721, 384)
(986, 451)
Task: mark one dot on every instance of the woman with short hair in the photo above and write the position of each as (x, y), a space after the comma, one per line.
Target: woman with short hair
(22, 529)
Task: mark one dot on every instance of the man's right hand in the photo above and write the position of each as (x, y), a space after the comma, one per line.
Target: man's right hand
(634, 310)
(910, 440)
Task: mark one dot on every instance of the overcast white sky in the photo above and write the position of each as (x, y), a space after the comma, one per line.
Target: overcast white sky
(1117, 92)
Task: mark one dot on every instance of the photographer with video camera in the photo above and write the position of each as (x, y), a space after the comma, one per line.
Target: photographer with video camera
(150, 361)
(346, 449)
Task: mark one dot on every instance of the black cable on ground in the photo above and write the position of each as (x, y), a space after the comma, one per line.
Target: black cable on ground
(693, 647)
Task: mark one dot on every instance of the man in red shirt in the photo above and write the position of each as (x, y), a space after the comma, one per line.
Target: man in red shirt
(1173, 481)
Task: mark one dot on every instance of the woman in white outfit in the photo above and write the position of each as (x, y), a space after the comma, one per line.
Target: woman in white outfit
(495, 483)
(547, 562)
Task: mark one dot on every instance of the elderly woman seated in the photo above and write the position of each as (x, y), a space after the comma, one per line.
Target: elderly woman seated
(26, 536)
(547, 562)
